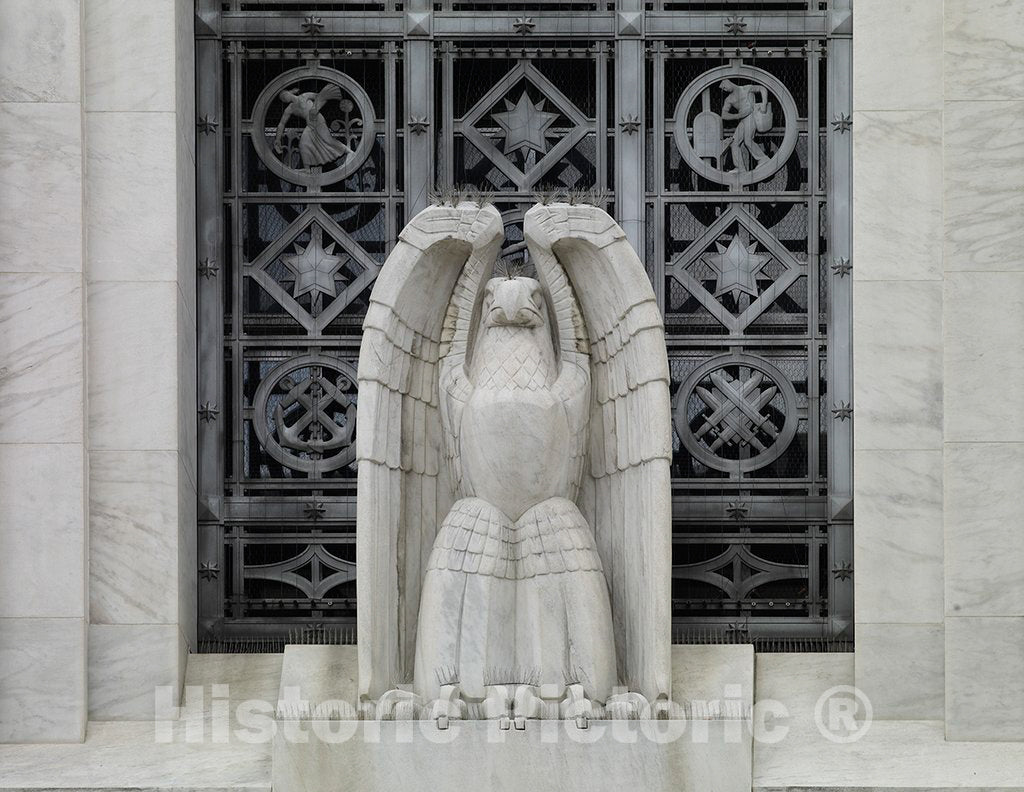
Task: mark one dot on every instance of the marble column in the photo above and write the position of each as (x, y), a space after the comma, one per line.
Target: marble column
(140, 131)
(898, 364)
(43, 464)
(983, 259)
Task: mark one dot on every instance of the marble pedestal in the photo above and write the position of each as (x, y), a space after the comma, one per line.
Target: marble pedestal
(704, 756)
(711, 751)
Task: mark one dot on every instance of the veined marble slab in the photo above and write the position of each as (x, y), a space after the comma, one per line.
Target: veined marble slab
(707, 756)
(40, 51)
(896, 755)
(316, 674)
(889, 755)
(715, 674)
(125, 755)
(711, 752)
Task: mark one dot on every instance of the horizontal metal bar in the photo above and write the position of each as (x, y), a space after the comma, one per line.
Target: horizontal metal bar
(713, 25)
(690, 507)
(679, 341)
(545, 24)
(349, 344)
(335, 24)
(337, 511)
(753, 197)
(256, 198)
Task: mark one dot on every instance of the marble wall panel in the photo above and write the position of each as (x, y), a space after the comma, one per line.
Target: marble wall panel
(133, 391)
(186, 353)
(984, 683)
(132, 203)
(984, 49)
(185, 77)
(899, 667)
(42, 530)
(42, 680)
(40, 186)
(188, 563)
(40, 50)
(126, 663)
(984, 168)
(41, 367)
(897, 364)
(186, 233)
(43, 464)
(984, 359)
(898, 541)
(897, 55)
(984, 540)
(133, 558)
(897, 195)
(129, 55)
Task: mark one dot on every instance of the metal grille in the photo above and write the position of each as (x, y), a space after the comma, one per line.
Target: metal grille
(717, 133)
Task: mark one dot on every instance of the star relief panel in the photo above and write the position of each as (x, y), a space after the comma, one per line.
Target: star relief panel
(314, 270)
(525, 125)
(738, 271)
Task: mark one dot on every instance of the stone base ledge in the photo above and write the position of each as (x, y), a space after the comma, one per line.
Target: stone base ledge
(704, 756)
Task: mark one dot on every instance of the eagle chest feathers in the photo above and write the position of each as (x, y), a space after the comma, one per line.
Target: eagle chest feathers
(515, 439)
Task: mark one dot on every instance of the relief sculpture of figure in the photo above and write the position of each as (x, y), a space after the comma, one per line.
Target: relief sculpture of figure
(514, 509)
(748, 106)
(317, 146)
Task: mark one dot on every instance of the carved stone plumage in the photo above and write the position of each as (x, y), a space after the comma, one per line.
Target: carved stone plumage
(514, 446)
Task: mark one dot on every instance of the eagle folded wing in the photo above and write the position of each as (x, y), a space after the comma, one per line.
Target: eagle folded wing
(404, 490)
(626, 497)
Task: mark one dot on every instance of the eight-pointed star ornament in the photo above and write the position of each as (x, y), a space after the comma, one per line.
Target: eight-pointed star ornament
(525, 124)
(737, 267)
(315, 266)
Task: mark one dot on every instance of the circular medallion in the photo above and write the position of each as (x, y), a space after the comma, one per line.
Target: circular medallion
(313, 126)
(304, 413)
(725, 145)
(736, 412)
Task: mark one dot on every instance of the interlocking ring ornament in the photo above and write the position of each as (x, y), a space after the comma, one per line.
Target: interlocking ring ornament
(296, 418)
(750, 89)
(317, 141)
(735, 390)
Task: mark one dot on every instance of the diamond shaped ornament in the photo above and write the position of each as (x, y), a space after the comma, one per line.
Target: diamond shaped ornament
(524, 125)
(315, 268)
(736, 263)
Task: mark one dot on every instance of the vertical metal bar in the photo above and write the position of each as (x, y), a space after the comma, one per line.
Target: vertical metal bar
(840, 326)
(447, 122)
(237, 285)
(630, 176)
(390, 56)
(657, 267)
(210, 244)
(813, 187)
(419, 106)
(601, 115)
(813, 286)
(813, 414)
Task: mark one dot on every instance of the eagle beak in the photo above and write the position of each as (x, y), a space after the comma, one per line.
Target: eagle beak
(512, 307)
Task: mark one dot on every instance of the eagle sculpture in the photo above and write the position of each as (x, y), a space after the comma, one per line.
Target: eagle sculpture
(514, 441)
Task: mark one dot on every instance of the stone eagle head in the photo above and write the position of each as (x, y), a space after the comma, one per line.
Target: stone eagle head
(513, 302)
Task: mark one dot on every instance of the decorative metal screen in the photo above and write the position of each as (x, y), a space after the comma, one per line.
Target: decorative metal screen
(717, 133)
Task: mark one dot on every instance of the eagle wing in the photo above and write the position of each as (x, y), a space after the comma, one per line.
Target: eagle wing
(572, 386)
(626, 493)
(404, 488)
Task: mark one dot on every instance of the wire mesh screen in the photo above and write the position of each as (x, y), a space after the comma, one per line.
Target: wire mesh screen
(323, 126)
